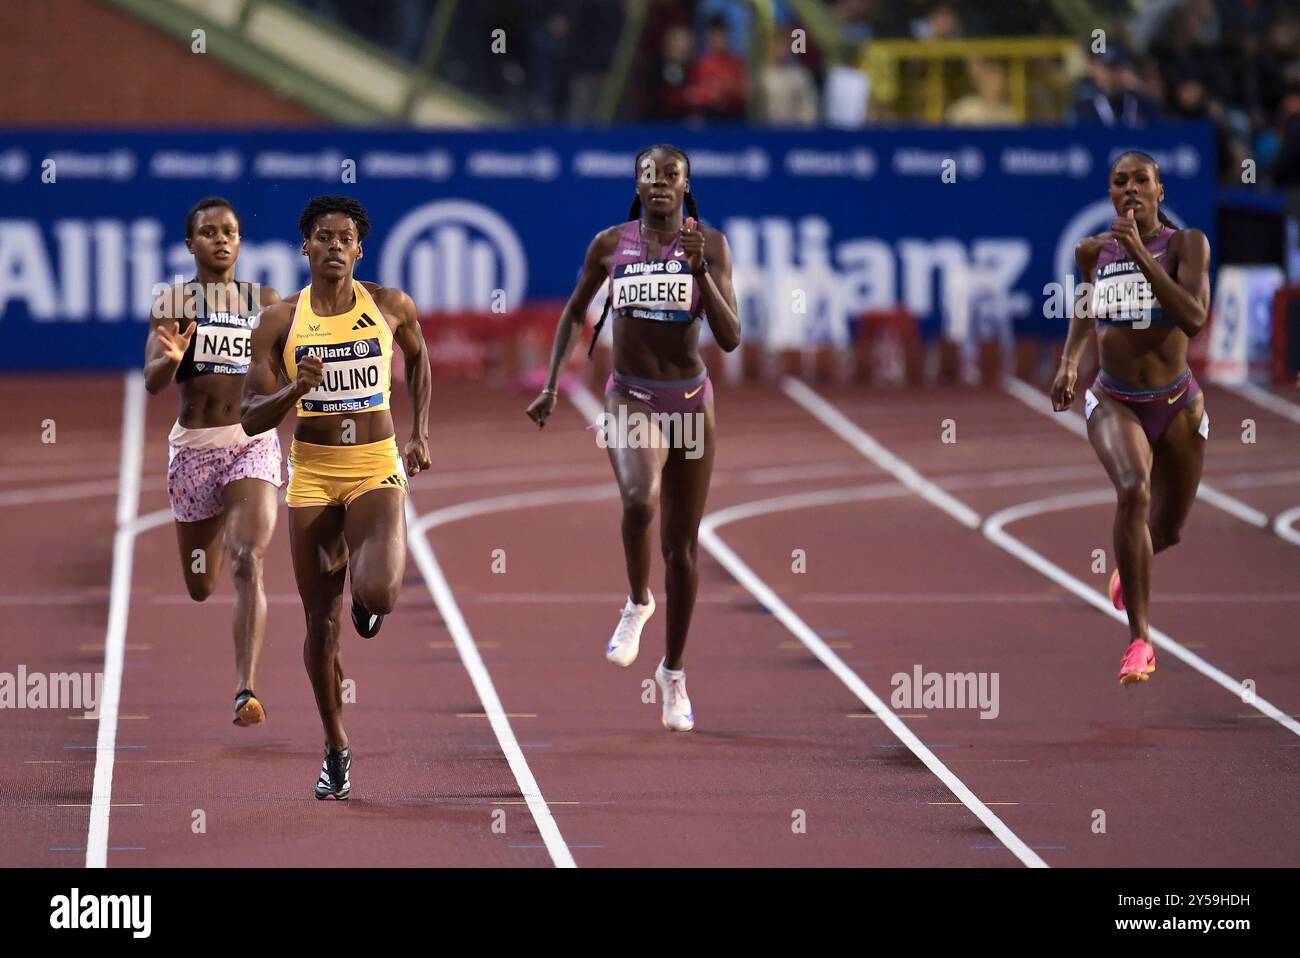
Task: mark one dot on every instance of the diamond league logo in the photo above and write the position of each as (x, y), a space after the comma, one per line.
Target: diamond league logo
(452, 255)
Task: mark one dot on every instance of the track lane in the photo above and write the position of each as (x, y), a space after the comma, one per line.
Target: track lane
(1253, 753)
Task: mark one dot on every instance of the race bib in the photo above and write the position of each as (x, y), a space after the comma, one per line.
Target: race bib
(659, 290)
(352, 377)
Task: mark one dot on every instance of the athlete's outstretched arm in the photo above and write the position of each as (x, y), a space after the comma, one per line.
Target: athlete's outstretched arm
(568, 331)
(410, 339)
(717, 295)
(166, 346)
(265, 402)
(1085, 257)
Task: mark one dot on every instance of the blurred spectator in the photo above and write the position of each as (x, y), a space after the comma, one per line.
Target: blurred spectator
(596, 26)
(548, 52)
(737, 20)
(664, 93)
(847, 93)
(720, 78)
(988, 103)
(1192, 102)
(1286, 171)
(663, 16)
(854, 19)
(941, 23)
(789, 96)
(1110, 95)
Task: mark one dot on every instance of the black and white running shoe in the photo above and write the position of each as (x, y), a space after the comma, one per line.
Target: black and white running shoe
(367, 623)
(333, 781)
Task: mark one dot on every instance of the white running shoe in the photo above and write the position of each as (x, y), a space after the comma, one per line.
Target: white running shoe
(626, 640)
(678, 715)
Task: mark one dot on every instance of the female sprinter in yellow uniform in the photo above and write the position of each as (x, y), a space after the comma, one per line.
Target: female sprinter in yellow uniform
(220, 480)
(328, 353)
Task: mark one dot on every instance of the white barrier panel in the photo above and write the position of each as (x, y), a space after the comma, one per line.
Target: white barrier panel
(1240, 336)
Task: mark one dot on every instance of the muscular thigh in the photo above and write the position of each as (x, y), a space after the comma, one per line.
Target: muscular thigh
(250, 513)
(320, 553)
(200, 547)
(375, 530)
(1177, 462)
(637, 454)
(1117, 438)
(687, 474)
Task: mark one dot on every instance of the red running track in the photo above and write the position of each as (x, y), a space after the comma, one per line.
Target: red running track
(1181, 771)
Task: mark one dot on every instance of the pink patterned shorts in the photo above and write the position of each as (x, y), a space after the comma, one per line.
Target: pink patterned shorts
(197, 476)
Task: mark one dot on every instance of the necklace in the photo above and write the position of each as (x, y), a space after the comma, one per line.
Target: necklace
(650, 229)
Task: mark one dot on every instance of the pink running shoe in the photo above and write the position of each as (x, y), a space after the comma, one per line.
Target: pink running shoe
(1139, 662)
(1116, 591)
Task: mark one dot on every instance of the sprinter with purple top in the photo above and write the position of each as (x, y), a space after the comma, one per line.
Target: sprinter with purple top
(664, 271)
(1149, 294)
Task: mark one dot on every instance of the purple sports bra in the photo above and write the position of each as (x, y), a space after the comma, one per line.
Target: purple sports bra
(662, 290)
(1121, 293)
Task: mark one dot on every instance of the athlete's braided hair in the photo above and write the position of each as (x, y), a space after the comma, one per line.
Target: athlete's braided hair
(1150, 161)
(207, 203)
(634, 213)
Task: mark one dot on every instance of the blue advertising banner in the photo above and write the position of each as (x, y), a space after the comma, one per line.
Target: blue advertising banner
(960, 226)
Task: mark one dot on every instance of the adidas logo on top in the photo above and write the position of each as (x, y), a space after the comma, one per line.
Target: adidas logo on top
(363, 322)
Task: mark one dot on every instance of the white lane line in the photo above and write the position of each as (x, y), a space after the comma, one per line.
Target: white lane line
(995, 531)
(839, 424)
(151, 520)
(1252, 480)
(478, 673)
(1284, 525)
(589, 407)
(520, 500)
(1265, 399)
(56, 470)
(119, 604)
(743, 574)
(74, 490)
(1074, 421)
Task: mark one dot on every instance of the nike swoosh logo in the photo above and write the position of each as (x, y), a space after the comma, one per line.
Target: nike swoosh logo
(694, 391)
(1176, 398)
(679, 252)
(373, 620)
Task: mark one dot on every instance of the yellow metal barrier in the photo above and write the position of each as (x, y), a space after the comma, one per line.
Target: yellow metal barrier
(885, 61)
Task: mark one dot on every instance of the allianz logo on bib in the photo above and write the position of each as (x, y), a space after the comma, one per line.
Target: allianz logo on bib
(651, 266)
(332, 352)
